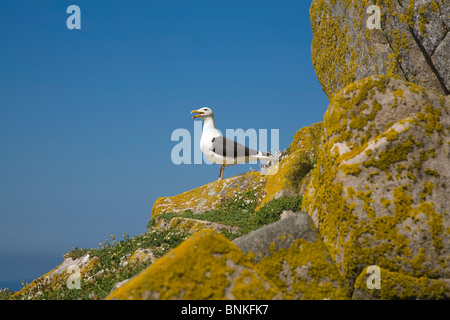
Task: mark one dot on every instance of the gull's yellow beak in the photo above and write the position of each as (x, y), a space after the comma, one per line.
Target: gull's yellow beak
(197, 115)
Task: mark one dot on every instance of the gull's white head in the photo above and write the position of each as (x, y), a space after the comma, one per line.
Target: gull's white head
(203, 113)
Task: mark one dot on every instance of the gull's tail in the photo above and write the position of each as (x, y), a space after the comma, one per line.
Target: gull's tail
(270, 162)
(268, 157)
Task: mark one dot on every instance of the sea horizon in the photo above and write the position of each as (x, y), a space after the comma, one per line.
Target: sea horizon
(14, 285)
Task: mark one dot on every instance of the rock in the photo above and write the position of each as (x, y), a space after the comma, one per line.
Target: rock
(142, 255)
(205, 266)
(398, 285)
(277, 235)
(138, 256)
(77, 268)
(119, 284)
(411, 44)
(207, 197)
(193, 225)
(292, 255)
(441, 57)
(286, 214)
(292, 172)
(289, 178)
(378, 195)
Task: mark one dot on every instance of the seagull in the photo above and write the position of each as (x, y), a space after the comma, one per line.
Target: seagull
(221, 150)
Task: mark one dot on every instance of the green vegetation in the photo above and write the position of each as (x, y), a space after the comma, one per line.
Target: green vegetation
(240, 212)
(5, 294)
(110, 252)
(205, 266)
(113, 262)
(109, 265)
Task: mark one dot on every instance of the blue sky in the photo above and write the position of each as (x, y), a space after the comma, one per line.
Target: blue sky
(87, 115)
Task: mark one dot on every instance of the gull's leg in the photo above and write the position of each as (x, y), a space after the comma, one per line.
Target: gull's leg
(222, 169)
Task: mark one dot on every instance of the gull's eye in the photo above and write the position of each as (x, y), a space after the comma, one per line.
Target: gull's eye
(205, 110)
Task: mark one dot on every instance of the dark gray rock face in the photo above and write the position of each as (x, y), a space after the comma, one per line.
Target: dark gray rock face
(282, 233)
(291, 254)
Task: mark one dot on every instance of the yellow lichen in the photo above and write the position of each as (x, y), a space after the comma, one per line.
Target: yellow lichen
(352, 169)
(304, 271)
(206, 266)
(385, 202)
(209, 196)
(295, 167)
(379, 237)
(401, 285)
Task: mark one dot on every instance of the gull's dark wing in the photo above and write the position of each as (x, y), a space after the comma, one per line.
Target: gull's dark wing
(229, 148)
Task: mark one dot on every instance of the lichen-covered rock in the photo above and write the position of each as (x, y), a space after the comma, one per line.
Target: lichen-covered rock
(63, 274)
(398, 285)
(293, 256)
(209, 196)
(287, 178)
(193, 225)
(379, 192)
(412, 43)
(292, 171)
(205, 266)
(138, 256)
(141, 255)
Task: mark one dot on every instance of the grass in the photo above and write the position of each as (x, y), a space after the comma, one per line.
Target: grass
(238, 211)
(110, 268)
(240, 214)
